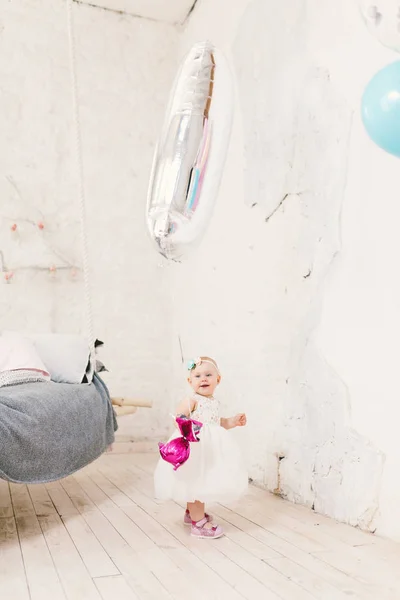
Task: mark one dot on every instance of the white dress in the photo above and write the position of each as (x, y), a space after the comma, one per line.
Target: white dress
(215, 470)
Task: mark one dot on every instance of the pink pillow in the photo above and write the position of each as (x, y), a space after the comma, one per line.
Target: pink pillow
(19, 353)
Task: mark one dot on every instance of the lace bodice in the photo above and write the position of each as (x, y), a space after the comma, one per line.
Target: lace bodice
(206, 411)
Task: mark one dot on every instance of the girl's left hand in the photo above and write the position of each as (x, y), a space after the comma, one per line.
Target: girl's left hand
(240, 420)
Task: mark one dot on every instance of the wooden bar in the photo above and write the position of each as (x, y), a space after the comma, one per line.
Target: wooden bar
(138, 402)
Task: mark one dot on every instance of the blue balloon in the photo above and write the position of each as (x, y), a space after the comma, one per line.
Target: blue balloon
(380, 108)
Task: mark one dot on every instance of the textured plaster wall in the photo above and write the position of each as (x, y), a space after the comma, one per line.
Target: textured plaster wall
(124, 69)
(299, 302)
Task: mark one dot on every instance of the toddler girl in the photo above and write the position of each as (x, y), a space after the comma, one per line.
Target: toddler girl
(214, 471)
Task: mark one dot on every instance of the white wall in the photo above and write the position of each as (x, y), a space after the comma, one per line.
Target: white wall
(125, 66)
(267, 312)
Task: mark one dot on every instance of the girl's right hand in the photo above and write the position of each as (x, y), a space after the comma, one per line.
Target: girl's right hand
(240, 420)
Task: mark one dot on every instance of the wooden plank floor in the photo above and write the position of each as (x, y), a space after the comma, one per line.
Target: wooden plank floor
(101, 535)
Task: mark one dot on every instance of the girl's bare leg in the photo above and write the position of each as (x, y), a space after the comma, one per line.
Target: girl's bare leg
(196, 510)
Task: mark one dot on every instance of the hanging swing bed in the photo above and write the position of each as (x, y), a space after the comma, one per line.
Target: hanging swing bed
(56, 414)
(51, 425)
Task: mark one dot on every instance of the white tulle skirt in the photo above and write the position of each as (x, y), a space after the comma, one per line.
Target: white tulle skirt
(214, 472)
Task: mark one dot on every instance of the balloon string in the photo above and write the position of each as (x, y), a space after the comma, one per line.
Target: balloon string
(173, 306)
(172, 296)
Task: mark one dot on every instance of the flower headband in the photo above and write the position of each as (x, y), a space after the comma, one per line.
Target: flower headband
(192, 364)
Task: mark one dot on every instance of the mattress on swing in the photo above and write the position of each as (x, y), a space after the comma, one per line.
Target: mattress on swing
(50, 430)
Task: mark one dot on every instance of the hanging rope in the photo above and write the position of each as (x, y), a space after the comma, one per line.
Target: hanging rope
(80, 181)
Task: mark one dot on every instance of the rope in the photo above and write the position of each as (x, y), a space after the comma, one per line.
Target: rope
(80, 178)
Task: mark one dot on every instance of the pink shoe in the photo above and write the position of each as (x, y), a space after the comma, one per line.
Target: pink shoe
(200, 530)
(188, 521)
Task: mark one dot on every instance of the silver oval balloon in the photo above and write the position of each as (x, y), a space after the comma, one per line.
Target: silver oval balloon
(382, 18)
(191, 152)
